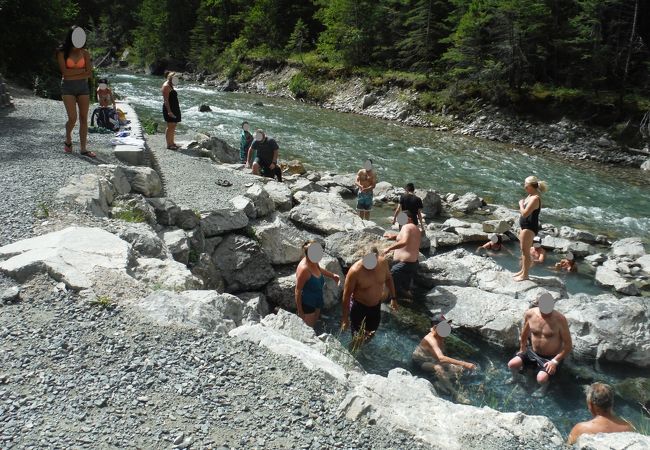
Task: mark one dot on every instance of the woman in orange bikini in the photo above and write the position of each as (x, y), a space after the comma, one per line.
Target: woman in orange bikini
(76, 70)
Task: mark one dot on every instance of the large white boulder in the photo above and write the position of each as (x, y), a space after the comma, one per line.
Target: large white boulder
(89, 191)
(613, 441)
(326, 214)
(409, 404)
(222, 221)
(609, 328)
(280, 194)
(501, 282)
(178, 244)
(458, 267)
(630, 247)
(286, 334)
(495, 317)
(608, 277)
(468, 203)
(280, 240)
(77, 256)
(209, 310)
(144, 180)
(144, 240)
(165, 274)
(352, 246)
(262, 201)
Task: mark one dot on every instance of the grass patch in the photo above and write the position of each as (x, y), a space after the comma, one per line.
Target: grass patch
(304, 87)
(130, 215)
(42, 210)
(103, 302)
(149, 126)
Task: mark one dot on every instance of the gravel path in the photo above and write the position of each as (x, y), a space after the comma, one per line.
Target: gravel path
(76, 375)
(32, 163)
(191, 180)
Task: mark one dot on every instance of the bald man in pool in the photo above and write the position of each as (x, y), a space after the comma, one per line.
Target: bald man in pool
(544, 343)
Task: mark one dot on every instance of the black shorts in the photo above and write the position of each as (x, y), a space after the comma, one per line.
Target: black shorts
(308, 309)
(532, 359)
(366, 317)
(403, 273)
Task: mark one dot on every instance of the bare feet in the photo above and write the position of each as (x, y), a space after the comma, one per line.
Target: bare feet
(520, 278)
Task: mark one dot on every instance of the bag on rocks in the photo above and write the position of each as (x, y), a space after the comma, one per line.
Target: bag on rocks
(106, 118)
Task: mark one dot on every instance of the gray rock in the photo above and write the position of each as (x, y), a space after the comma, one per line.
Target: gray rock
(9, 295)
(116, 177)
(368, 100)
(304, 185)
(285, 333)
(613, 441)
(346, 181)
(501, 282)
(242, 264)
(178, 244)
(400, 401)
(452, 223)
(245, 205)
(211, 243)
(495, 317)
(496, 226)
(222, 221)
(165, 209)
(144, 180)
(205, 108)
(578, 235)
(77, 256)
(143, 240)
(280, 194)
(261, 199)
(565, 245)
(256, 307)
(352, 246)
(609, 328)
(210, 310)
(89, 191)
(646, 165)
(472, 235)
(165, 274)
(135, 206)
(630, 247)
(219, 150)
(431, 204)
(386, 192)
(441, 239)
(607, 277)
(644, 263)
(468, 203)
(187, 219)
(280, 240)
(206, 270)
(596, 259)
(457, 268)
(326, 214)
(281, 291)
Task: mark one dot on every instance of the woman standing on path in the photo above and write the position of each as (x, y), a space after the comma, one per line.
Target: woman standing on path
(171, 109)
(76, 69)
(529, 209)
(310, 279)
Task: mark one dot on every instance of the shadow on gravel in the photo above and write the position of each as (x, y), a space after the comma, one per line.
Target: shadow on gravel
(11, 125)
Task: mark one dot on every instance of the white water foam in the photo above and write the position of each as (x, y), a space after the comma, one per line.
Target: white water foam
(593, 215)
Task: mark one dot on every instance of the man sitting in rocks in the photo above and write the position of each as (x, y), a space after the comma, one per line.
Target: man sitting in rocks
(266, 157)
(363, 294)
(600, 402)
(430, 356)
(407, 250)
(544, 343)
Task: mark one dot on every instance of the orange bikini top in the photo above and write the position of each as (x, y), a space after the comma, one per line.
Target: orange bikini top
(71, 64)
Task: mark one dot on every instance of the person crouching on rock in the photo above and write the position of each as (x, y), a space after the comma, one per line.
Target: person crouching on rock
(600, 402)
(310, 279)
(429, 356)
(363, 293)
(537, 252)
(266, 158)
(545, 342)
(568, 263)
(407, 251)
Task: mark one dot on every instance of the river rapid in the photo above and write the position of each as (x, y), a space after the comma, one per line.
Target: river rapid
(609, 200)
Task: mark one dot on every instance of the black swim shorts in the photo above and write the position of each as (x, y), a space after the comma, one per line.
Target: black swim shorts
(403, 273)
(532, 359)
(366, 317)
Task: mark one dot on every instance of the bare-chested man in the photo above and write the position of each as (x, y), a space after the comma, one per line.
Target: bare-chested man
(600, 402)
(430, 355)
(364, 287)
(365, 182)
(407, 251)
(550, 343)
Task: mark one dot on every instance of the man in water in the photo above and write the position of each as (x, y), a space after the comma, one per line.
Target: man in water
(364, 290)
(407, 251)
(365, 182)
(410, 202)
(537, 252)
(568, 264)
(600, 402)
(429, 355)
(245, 141)
(550, 342)
(266, 159)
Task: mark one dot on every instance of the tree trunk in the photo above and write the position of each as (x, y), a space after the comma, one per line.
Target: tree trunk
(629, 53)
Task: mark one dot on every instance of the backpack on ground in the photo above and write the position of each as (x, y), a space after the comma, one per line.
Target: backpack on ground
(106, 118)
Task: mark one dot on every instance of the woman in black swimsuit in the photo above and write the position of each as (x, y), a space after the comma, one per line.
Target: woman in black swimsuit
(171, 109)
(529, 209)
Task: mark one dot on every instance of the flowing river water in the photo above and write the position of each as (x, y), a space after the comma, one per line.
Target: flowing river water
(603, 199)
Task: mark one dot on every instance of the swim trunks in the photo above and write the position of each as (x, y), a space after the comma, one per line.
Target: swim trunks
(421, 356)
(532, 359)
(403, 273)
(75, 87)
(364, 201)
(312, 294)
(366, 317)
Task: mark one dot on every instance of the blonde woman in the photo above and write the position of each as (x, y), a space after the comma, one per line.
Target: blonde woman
(529, 209)
(171, 109)
(310, 279)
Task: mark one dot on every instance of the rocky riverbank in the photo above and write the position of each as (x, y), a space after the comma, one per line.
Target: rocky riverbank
(133, 319)
(392, 102)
